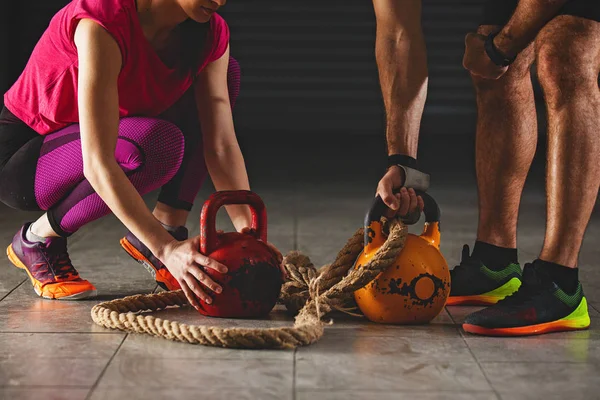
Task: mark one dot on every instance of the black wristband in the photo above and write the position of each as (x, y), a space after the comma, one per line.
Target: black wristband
(496, 55)
(402, 159)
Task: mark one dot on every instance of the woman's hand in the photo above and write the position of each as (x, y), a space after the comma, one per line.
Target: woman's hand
(186, 263)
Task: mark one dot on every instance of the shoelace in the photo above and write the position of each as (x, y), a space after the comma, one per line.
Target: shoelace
(531, 285)
(60, 263)
(466, 261)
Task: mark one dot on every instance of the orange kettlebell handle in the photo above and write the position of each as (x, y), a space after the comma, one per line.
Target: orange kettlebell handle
(208, 233)
(373, 235)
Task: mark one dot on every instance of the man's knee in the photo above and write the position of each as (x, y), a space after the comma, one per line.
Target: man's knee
(568, 59)
(565, 72)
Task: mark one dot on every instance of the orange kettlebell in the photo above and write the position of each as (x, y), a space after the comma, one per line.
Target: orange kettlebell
(253, 281)
(415, 288)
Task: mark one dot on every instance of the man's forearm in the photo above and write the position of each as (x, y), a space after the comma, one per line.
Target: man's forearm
(402, 64)
(528, 19)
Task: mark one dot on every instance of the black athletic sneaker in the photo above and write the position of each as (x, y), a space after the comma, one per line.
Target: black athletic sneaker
(539, 306)
(472, 283)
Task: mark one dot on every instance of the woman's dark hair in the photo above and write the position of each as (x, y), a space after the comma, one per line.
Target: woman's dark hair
(192, 37)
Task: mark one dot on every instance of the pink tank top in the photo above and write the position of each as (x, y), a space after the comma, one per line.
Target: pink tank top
(45, 95)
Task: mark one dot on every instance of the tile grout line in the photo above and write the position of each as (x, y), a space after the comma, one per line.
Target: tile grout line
(478, 364)
(13, 289)
(457, 326)
(461, 333)
(294, 376)
(95, 385)
(450, 315)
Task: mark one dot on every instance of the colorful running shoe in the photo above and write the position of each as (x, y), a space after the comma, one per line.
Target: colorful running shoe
(539, 306)
(49, 267)
(472, 283)
(140, 253)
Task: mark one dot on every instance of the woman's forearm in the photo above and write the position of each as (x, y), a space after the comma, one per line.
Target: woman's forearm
(112, 185)
(222, 152)
(228, 172)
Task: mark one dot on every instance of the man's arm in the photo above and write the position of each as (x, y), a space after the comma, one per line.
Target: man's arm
(528, 19)
(490, 60)
(402, 63)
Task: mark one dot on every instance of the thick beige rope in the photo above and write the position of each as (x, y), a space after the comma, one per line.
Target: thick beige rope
(315, 293)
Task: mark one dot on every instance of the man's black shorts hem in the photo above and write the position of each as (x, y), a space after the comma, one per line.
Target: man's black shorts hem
(498, 12)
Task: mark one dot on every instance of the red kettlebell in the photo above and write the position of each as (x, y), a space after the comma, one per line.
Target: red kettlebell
(253, 281)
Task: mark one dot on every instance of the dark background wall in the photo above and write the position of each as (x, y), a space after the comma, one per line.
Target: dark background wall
(308, 67)
(313, 68)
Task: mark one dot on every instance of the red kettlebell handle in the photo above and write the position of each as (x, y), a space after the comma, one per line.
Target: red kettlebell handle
(208, 232)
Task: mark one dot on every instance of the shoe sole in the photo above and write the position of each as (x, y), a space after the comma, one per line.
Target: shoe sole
(472, 300)
(576, 321)
(141, 259)
(555, 326)
(486, 299)
(12, 257)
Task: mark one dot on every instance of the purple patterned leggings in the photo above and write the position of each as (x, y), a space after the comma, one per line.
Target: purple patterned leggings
(164, 152)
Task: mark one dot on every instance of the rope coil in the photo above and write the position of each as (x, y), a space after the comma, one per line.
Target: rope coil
(307, 291)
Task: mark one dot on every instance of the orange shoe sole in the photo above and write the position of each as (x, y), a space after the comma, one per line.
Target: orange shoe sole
(539, 329)
(159, 276)
(472, 300)
(37, 286)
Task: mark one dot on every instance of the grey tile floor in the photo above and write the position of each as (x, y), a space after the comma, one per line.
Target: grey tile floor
(52, 350)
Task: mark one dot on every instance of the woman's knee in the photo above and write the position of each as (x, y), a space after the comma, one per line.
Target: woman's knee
(153, 144)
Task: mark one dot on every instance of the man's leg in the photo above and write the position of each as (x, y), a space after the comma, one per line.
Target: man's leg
(505, 145)
(568, 66)
(551, 297)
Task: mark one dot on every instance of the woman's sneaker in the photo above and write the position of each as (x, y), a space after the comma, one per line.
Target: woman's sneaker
(49, 267)
(140, 253)
(539, 306)
(472, 283)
